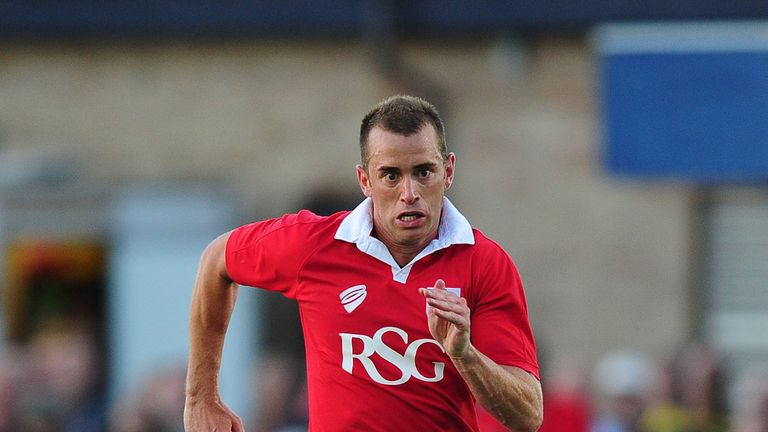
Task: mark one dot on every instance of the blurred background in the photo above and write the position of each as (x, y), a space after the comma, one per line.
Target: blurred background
(617, 150)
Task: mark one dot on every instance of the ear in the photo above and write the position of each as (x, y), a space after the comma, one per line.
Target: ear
(450, 167)
(364, 181)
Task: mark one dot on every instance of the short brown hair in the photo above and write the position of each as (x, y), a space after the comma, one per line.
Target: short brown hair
(404, 115)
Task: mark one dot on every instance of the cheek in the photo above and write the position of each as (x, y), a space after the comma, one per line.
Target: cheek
(437, 189)
(385, 193)
(382, 202)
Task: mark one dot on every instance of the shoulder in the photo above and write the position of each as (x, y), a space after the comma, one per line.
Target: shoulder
(485, 246)
(300, 226)
(308, 221)
(488, 255)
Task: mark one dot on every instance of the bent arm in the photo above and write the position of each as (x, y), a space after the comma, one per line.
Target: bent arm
(512, 395)
(213, 300)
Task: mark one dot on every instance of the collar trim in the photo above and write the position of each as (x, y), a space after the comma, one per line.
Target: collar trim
(357, 226)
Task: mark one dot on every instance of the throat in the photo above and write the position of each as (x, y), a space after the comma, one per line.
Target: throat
(402, 259)
(404, 254)
(402, 250)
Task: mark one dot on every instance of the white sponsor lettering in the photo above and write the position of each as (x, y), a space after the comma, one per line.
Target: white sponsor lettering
(405, 362)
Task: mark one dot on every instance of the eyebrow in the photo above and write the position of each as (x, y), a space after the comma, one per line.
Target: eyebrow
(425, 165)
(387, 168)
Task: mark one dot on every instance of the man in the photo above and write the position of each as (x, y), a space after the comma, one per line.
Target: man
(409, 314)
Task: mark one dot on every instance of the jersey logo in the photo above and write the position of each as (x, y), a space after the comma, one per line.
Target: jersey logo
(352, 297)
(406, 362)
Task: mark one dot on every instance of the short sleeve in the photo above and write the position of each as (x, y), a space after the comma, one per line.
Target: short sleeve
(500, 326)
(269, 254)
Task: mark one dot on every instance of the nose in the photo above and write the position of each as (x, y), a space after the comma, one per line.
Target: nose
(408, 195)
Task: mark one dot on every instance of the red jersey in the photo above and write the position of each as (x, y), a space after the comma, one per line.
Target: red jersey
(372, 364)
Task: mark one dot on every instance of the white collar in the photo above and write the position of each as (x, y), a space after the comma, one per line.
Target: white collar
(357, 226)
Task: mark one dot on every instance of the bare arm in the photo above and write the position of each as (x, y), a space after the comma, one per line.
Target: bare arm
(213, 300)
(510, 394)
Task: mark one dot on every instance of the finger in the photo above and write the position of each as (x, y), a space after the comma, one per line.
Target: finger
(456, 305)
(458, 315)
(435, 292)
(459, 321)
(237, 425)
(440, 294)
(440, 284)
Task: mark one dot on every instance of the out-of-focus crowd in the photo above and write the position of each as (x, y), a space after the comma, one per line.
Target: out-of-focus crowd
(629, 391)
(55, 382)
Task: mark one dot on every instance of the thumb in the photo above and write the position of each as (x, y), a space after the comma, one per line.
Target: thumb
(440, 284)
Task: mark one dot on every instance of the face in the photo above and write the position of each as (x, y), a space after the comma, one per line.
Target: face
(406, 178)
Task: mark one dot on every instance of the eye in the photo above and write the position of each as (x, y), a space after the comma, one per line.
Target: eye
(390, 176)
(424, 172)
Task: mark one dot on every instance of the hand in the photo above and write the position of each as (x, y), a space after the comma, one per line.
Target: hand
(210, 416)
(448, 319)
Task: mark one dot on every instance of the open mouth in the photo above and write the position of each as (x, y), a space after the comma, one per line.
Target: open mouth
(410, 216)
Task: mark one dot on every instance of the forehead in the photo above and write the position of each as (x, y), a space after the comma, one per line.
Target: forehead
(387, 148)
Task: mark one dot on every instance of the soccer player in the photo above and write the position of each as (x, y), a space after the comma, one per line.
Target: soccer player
(410, 315)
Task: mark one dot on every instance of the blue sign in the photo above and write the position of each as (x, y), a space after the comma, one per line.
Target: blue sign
(682, 107)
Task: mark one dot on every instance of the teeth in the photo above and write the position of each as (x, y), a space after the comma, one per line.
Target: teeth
(408, 218)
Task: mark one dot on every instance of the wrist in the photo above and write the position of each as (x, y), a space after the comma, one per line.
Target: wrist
(200, 395)
(468, 358)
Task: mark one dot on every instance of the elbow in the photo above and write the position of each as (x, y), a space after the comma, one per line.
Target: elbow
(536, 419)
(213, 258)
(536, 422)
(531, 423)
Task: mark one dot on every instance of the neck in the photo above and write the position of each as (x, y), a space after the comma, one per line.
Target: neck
(404, 253)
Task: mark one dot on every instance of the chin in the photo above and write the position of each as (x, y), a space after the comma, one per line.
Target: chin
(413, 238)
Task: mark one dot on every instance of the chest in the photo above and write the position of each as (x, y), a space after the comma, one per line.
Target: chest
(352, 291)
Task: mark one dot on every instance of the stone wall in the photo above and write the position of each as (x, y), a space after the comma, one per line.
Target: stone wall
(604, 260)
